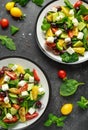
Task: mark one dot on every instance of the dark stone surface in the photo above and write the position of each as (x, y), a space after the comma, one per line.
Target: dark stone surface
(27, 47)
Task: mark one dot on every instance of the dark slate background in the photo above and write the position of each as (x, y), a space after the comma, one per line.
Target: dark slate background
(27, 47)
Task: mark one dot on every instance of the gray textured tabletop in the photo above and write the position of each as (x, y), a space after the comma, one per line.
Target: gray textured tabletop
(27, 47)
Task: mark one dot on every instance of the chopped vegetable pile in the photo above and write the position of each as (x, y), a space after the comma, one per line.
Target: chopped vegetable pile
(20, 94)
(66, 30)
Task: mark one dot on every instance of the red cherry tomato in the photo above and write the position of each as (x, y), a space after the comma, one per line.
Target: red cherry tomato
(13, 120)
(78, 3)
(36, 76)
(4, 23)
(29, 116)
(62, 74)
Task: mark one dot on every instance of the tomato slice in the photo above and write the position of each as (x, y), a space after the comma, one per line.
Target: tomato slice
(78, 3)
(24, 88)
(12, 75)
(54, 29)
(86, 18)
(16, 106)
(29, 116)
(36, 76)
(13, 120)
(70, 33)
(51, 45)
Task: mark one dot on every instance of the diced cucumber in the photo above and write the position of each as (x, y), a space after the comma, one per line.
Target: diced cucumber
(10, 65)
(13, 95)
(59, 47)
(63, 35)
(26, 76)
(13, 111)
(81, 26)
(13, 100)
(55, 15)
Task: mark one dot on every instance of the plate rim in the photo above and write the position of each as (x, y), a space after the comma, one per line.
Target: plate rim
(49, 87)
(44, 51)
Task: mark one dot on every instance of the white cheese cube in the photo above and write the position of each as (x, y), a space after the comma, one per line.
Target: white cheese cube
(31, 110)
(9, 116)
(59, 17)
(68, 39)
(6, 78)
(24, 93)
(57, 33)
(80, 35)
(70, 50)
(30, 86)
(54, 9)
(6, 100)
(22, 83)
(5, 87)
(14, 67)
(31, 79)
(75, 22)
(41, 90)
(50, 39)
(71, 12)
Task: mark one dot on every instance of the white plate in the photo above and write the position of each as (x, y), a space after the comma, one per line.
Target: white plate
(43, 80)
(40, 36)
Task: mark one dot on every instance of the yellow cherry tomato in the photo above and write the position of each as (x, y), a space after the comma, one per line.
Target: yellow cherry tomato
(66, 109)
(9, 5)
(16, 12)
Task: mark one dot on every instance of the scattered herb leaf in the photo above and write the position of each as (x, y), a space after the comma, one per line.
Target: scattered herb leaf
(83, 103)
(69, 87)
(21, 2)
(38, 2)
(13, 29)
(59, 121)
(8, 42)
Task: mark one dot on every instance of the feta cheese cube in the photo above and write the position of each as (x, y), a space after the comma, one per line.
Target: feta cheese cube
(24, 93)
(31, 110)
(54, 9)
(75, 22)
(9, 116)
(71, 12)
(30, 86)
(57, 33)
(14, 67)
(68, 39)
(6, 100)
(6, 78)
(31, 79)
(70, 50)
(41, 90)
(59, 17)
(80, 35)
(5, 87)
(22, 83)
(50, 39)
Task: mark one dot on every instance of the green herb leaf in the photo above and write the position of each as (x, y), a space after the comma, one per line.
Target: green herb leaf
(69, 87)
(3, 125)
(22, 2)
(66, 57)
(38, 2)
(8, 42)
(83, 103)
(68, 4)
(13, 29)
(59, 121)
(45, 25)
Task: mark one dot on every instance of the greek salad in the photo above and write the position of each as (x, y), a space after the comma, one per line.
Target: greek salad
(20, 95)
(65, 30)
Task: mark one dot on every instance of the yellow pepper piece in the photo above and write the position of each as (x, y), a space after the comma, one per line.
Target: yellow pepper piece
(35, 92)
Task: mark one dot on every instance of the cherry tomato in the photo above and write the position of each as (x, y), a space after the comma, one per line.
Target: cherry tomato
(62, 74)
(36, 76)
(12, 75)
(86, 18)
(29, 116)
(13, 120)
(78, 3)
(4, 23)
